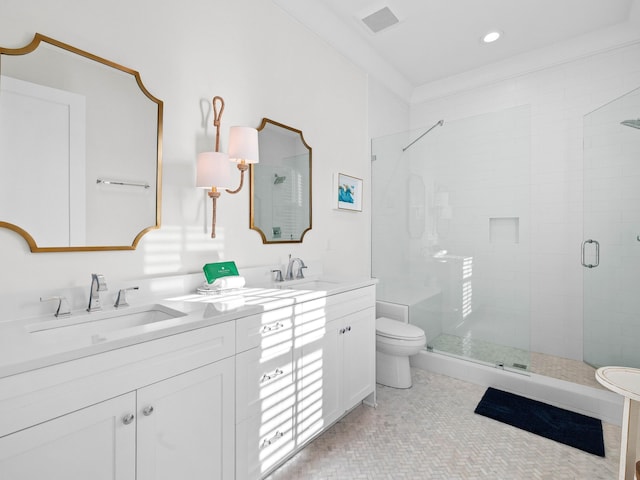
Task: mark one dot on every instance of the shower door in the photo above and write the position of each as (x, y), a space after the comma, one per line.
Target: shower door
(611, 248)
(451, 234)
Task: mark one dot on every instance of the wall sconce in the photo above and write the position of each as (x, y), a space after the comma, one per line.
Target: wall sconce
(213, 168)
(243, 149)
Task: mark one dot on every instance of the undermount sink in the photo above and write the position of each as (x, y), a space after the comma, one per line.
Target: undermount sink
(102, 322)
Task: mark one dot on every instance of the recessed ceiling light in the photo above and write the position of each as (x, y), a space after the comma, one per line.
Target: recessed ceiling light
(491, 37)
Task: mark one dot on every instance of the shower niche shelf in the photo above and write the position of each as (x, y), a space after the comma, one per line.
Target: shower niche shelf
(504, 230)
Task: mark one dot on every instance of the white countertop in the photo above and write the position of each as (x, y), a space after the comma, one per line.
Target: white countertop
(21, 350)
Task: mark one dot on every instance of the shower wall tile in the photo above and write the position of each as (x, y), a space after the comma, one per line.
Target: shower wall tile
(563, 188)
(552, 275)
(554, 328)
(566, 283)
(546, 241)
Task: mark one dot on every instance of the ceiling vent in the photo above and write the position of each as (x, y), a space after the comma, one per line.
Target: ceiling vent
(378, 21)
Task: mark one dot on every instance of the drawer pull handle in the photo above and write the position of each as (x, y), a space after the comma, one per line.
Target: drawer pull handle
(128, 418)
(147, 410)
(265, 377)
(269, 441)
(271, 328)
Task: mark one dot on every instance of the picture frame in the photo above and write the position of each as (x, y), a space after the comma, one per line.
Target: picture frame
(347, 192)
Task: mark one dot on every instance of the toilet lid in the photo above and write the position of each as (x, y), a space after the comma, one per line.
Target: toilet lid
(396, 329)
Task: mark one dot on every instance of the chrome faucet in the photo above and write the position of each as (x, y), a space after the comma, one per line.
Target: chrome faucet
(64, 310)
(278, 273)
(98, 284)
(121, 301)
(292, 261)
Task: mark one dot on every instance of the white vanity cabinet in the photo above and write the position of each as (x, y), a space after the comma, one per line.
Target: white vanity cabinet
(230, 400)
(162, 409)
(338, 358)
(309, 364)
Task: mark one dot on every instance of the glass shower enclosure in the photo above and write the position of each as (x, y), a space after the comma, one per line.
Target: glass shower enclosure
(611, 247)
(450, 234)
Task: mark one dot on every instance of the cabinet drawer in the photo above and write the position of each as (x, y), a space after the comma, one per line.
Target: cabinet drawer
(317, 313)
(262, 444)
(350, 302)
(265, 382)
(266, 330)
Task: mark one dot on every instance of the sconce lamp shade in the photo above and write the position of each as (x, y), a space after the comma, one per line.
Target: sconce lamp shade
(243, 145)
(213, 170)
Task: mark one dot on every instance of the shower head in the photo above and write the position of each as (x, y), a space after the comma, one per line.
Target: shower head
(278, 180)
(631, 123)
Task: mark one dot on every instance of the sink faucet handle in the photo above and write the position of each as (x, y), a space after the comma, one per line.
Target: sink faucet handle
(300, 274)
(121, 301)
(63, 310)
(278, 273)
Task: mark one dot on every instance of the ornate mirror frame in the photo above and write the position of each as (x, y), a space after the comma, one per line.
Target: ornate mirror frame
(266, 161)
(151, 130)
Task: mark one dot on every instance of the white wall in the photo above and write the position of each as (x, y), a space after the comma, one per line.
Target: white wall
(264, 64)
(559, 97)
(388, 113)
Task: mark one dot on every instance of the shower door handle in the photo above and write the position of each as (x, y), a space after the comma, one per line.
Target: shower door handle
(597, 244)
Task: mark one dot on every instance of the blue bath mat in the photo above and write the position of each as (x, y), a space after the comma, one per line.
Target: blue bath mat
(555, 423)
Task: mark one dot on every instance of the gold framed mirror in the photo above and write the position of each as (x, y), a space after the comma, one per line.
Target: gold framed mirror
(280, 185)
(80, 149)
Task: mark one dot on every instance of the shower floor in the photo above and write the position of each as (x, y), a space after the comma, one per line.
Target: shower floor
(516, 359)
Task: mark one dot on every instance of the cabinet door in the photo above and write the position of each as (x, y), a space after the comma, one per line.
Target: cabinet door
(186, 425)
(91, 443)
(359, 351)
(320, 380)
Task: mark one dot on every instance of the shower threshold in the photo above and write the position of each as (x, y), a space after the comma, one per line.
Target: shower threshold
(515, 360)
(483, 352)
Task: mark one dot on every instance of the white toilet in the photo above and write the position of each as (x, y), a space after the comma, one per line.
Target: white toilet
(395, 342)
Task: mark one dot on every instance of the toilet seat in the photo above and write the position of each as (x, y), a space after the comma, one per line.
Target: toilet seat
(394, 329)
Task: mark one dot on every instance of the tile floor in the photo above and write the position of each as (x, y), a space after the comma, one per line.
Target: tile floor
(564, 369)
(430, 432)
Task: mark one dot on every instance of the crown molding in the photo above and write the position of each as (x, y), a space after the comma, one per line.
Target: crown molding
(580, 47)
